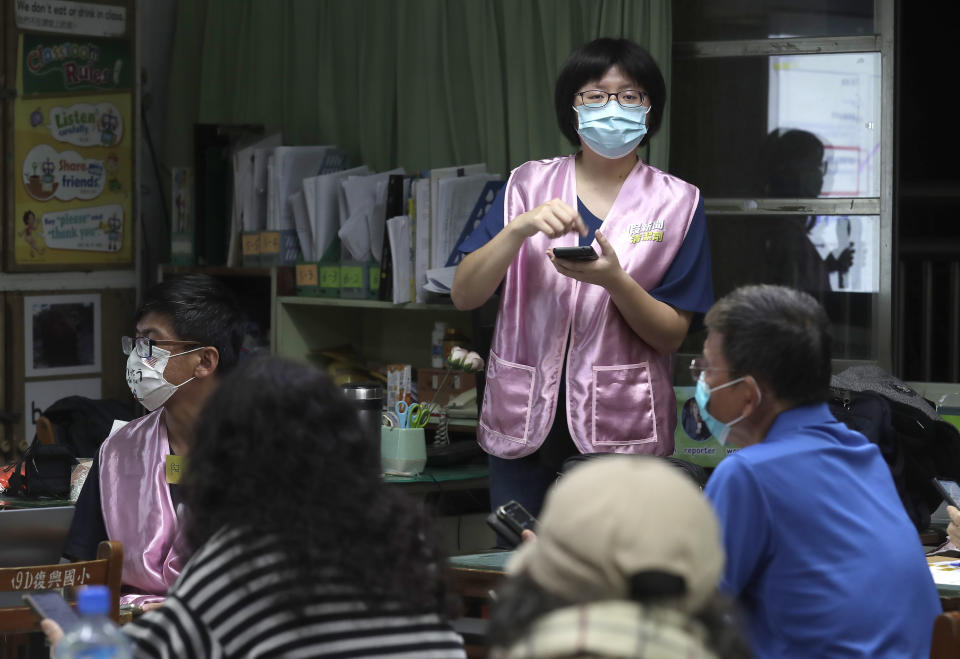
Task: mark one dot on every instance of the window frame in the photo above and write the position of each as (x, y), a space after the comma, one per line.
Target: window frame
(882, 206)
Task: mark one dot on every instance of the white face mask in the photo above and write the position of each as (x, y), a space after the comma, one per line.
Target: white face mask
(145, 377)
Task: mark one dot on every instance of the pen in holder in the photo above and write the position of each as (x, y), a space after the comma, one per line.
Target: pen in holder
(403, 451)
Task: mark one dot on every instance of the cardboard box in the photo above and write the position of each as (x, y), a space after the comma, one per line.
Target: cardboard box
(428, 379)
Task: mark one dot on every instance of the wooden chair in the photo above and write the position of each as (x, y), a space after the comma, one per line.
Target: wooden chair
(105, 570)
(946, 636)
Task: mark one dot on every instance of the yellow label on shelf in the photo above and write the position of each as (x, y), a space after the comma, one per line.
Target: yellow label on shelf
(351, 276)
(329, 276)
(251, 243)
(307, 274)
(269, 242)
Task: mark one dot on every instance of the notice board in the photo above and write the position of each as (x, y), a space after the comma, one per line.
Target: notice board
(69, 195)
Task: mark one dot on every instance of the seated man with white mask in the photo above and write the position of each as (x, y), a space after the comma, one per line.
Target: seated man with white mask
(189, 332)
(820, 552)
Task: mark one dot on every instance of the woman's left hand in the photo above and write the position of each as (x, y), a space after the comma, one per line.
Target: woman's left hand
(600, 272)
(953, 530)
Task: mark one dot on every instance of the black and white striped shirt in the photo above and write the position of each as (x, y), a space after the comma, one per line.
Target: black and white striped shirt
(230, 602)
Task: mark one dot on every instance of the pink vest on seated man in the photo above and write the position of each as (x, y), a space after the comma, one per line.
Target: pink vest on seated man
(619, 393)
(137, 509)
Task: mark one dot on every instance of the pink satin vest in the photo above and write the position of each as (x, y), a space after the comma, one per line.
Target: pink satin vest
(137, 508)
(619, 390)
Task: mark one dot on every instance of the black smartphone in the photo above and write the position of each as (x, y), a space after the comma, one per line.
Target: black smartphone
(516, 517)
(50, 604)
(578, 253)
(510, 520)
(949, 490)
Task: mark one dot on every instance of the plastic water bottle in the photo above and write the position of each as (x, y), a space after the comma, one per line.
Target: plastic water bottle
(95, 636)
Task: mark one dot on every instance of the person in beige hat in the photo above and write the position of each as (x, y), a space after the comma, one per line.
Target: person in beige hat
(625, 563)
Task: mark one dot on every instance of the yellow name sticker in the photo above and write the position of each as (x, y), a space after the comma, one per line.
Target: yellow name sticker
(646, 232)
(174, 468)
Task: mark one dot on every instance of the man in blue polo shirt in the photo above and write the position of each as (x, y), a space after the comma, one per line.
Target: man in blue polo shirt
(820, 553)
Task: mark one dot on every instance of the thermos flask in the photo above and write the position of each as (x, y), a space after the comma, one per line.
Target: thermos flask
(367, 399)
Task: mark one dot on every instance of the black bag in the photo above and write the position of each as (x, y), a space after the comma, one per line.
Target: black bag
(44, 471)
(915, 442)
(81, 424)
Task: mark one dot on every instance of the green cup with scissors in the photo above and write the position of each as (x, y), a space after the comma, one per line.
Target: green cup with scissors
(411, 416)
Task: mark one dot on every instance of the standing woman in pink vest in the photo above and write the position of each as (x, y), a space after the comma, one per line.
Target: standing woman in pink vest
(580, 360)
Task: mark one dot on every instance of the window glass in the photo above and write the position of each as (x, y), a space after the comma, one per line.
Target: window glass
(834, 258)
(699, 20)
(779, 126)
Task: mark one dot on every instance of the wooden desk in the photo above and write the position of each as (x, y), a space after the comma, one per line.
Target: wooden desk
(475, 575)
(949, 594)
(472, 577)
(14, 503)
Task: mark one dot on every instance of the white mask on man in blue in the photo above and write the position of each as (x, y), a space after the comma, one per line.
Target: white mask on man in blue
(719, 429)
(612, 131)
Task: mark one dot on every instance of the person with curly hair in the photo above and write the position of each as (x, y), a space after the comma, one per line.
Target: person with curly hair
(300, 548)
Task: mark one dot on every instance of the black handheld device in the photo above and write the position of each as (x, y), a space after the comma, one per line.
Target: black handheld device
(949, 490)
(578, 253)
(510, 520)
(50, 604)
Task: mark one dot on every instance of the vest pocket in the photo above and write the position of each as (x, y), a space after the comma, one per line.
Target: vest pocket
(622, 406)
(507, 399)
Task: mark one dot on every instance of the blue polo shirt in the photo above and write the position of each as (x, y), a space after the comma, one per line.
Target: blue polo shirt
(820, 552)
(687, 284)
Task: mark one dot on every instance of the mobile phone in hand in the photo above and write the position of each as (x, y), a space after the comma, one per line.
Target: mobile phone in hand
(510, 520)
(50, 604)
(949, 490)
(579, 253)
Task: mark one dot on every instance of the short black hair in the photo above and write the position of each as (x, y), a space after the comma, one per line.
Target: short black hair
(201, 309)
(28, 213)
(780, 336)
(789, 164)
(590, 61)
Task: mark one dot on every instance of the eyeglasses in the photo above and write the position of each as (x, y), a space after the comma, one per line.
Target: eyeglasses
(629, 99)
(144, 345)
(699, 365)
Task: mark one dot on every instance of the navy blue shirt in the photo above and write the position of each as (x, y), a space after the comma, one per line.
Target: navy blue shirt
(687, 284)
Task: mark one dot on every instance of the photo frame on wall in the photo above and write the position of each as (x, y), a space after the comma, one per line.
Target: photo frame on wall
(61, 334)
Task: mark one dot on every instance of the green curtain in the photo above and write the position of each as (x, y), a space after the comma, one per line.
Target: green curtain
(411, 83)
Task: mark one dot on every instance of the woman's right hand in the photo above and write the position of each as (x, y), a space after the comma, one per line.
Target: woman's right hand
(554, 218)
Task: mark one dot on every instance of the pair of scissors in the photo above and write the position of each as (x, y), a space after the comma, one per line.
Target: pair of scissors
(412, 416)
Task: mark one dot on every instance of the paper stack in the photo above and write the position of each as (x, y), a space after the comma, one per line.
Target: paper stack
(321, 197)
